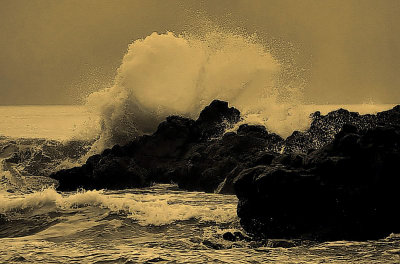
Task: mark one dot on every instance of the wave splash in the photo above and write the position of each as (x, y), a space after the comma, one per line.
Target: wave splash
(166, 74)
(145, 209)
(24, 161)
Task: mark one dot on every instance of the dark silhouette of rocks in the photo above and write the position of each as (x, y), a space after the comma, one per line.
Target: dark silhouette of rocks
(336, 180)
(235, 236)
(178, 151)
(344, 190)
(215, 118)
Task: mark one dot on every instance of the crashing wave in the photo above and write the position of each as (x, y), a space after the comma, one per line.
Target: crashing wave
(24, 162)
(146, 209)
(166, 74)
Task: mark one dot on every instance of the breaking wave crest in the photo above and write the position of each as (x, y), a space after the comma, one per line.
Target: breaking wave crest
(166, 74)
(23, 158)
(146, 209)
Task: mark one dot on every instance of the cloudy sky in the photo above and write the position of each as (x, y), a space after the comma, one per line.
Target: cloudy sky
(56, 51)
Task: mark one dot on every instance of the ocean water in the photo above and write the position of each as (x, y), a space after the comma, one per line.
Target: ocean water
(160, 224)
(50, 122)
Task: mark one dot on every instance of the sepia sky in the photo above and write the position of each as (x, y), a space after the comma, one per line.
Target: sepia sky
(56, 52)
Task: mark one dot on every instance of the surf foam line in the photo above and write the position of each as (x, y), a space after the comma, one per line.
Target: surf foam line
(146, 209)
(168, 74)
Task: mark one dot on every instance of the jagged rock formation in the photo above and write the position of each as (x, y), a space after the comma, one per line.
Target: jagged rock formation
(344, 190)
(323, 128)
(318, 184)
(167, 155)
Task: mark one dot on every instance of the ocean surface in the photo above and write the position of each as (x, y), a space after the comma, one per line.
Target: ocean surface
(160, 224)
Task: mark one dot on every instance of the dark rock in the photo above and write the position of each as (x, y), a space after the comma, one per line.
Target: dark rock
(229, 236)
(119, 173)
(391, 117)
(212, 165)
(258, 243)
(226, 187)
(72, 179)
(117, 151)
(205, 175)
(14, 158)
(179, 151)
(344, 190)
(280, 243)
(109, 173)
(263, 158)
(215, 118)
(324, 127)
(154, 260)
(17, 259)
(235, 236)
(294, 160)
(171, 138)
(336, 180)
(212, 245)
(239, 236)
(252, 130)
(92, 161)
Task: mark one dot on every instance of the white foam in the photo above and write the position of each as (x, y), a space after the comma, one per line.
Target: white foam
(165, 74)
(146, 209)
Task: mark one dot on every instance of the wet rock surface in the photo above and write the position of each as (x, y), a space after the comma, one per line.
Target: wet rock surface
(182, 150)
(344, 190)
(336, 180)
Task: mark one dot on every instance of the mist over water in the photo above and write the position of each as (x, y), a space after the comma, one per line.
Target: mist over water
(168, 74)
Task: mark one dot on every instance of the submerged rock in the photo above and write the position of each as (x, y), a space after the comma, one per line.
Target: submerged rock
(229, 236)
(235, 236)
(213, 245)
(280, 243)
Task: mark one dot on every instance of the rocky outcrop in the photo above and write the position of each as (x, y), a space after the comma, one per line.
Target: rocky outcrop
(197, 154)
(329, 183)
(323, 128)
(337, 180)
(172, 153)
(344, 190)
(215, 118)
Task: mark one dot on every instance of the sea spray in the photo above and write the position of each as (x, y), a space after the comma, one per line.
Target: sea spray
(168, 74)
(146, 209)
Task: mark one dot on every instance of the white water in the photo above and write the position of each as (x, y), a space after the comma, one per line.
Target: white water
(165, 74)
(160, 75)
(157, 224)
(146, 208)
